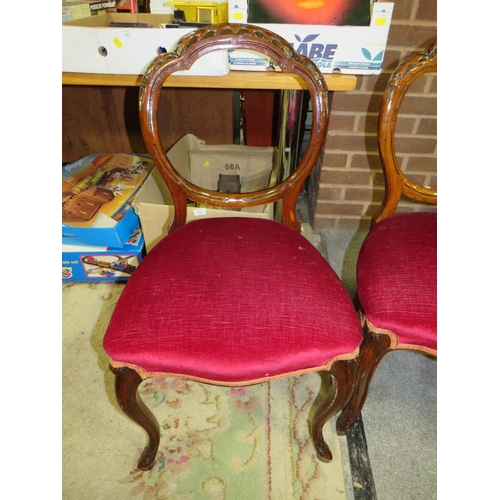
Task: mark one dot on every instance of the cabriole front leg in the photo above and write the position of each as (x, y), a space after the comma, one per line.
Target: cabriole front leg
(373, 348)
(127, 382)
(342, 376)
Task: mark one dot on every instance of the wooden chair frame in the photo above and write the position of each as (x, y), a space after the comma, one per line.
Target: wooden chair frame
(338, 385)
(233, 36)
(397, 183)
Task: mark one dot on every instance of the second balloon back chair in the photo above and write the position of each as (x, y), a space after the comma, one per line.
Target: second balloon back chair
(397, 264)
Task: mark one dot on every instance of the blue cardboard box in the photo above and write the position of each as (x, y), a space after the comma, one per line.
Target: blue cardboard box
(97, 195)
(91, 263)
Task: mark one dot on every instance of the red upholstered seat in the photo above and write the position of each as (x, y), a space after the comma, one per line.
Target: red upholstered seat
(397, 278)
(186, 311)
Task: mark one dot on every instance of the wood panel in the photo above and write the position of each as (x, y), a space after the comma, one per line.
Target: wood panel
(104, 119)
(261, 110)
(233, 80)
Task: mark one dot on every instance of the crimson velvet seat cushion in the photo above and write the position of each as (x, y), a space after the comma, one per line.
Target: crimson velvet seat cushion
(397, 278)
(232, 301)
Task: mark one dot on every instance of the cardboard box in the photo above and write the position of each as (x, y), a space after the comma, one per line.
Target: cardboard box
(97, 193)
(90, 45)
(354, 50)
(238, 16)
(160, 7)
(252, 163)
(238, 11)
(91, 263)
(153, 202)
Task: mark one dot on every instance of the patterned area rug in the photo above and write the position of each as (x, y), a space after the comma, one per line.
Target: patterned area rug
(216, 443)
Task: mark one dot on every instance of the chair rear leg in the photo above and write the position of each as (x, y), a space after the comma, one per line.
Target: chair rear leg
(342, 375)
(373, 348)
(127, 382)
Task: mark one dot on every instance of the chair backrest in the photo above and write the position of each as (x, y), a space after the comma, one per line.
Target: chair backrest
(396, 181)
(232, 36)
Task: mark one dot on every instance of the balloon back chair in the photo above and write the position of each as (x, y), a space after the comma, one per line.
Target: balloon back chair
(396, 270)
(178, 315)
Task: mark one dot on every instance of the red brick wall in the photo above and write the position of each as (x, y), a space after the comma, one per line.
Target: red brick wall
(348, 187)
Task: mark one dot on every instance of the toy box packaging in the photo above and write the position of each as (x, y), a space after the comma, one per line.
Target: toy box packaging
(338, 13)
(354, 50)
(203, 11)
(76, 9)
(91, 263)
(97, 193)
(154, 204)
